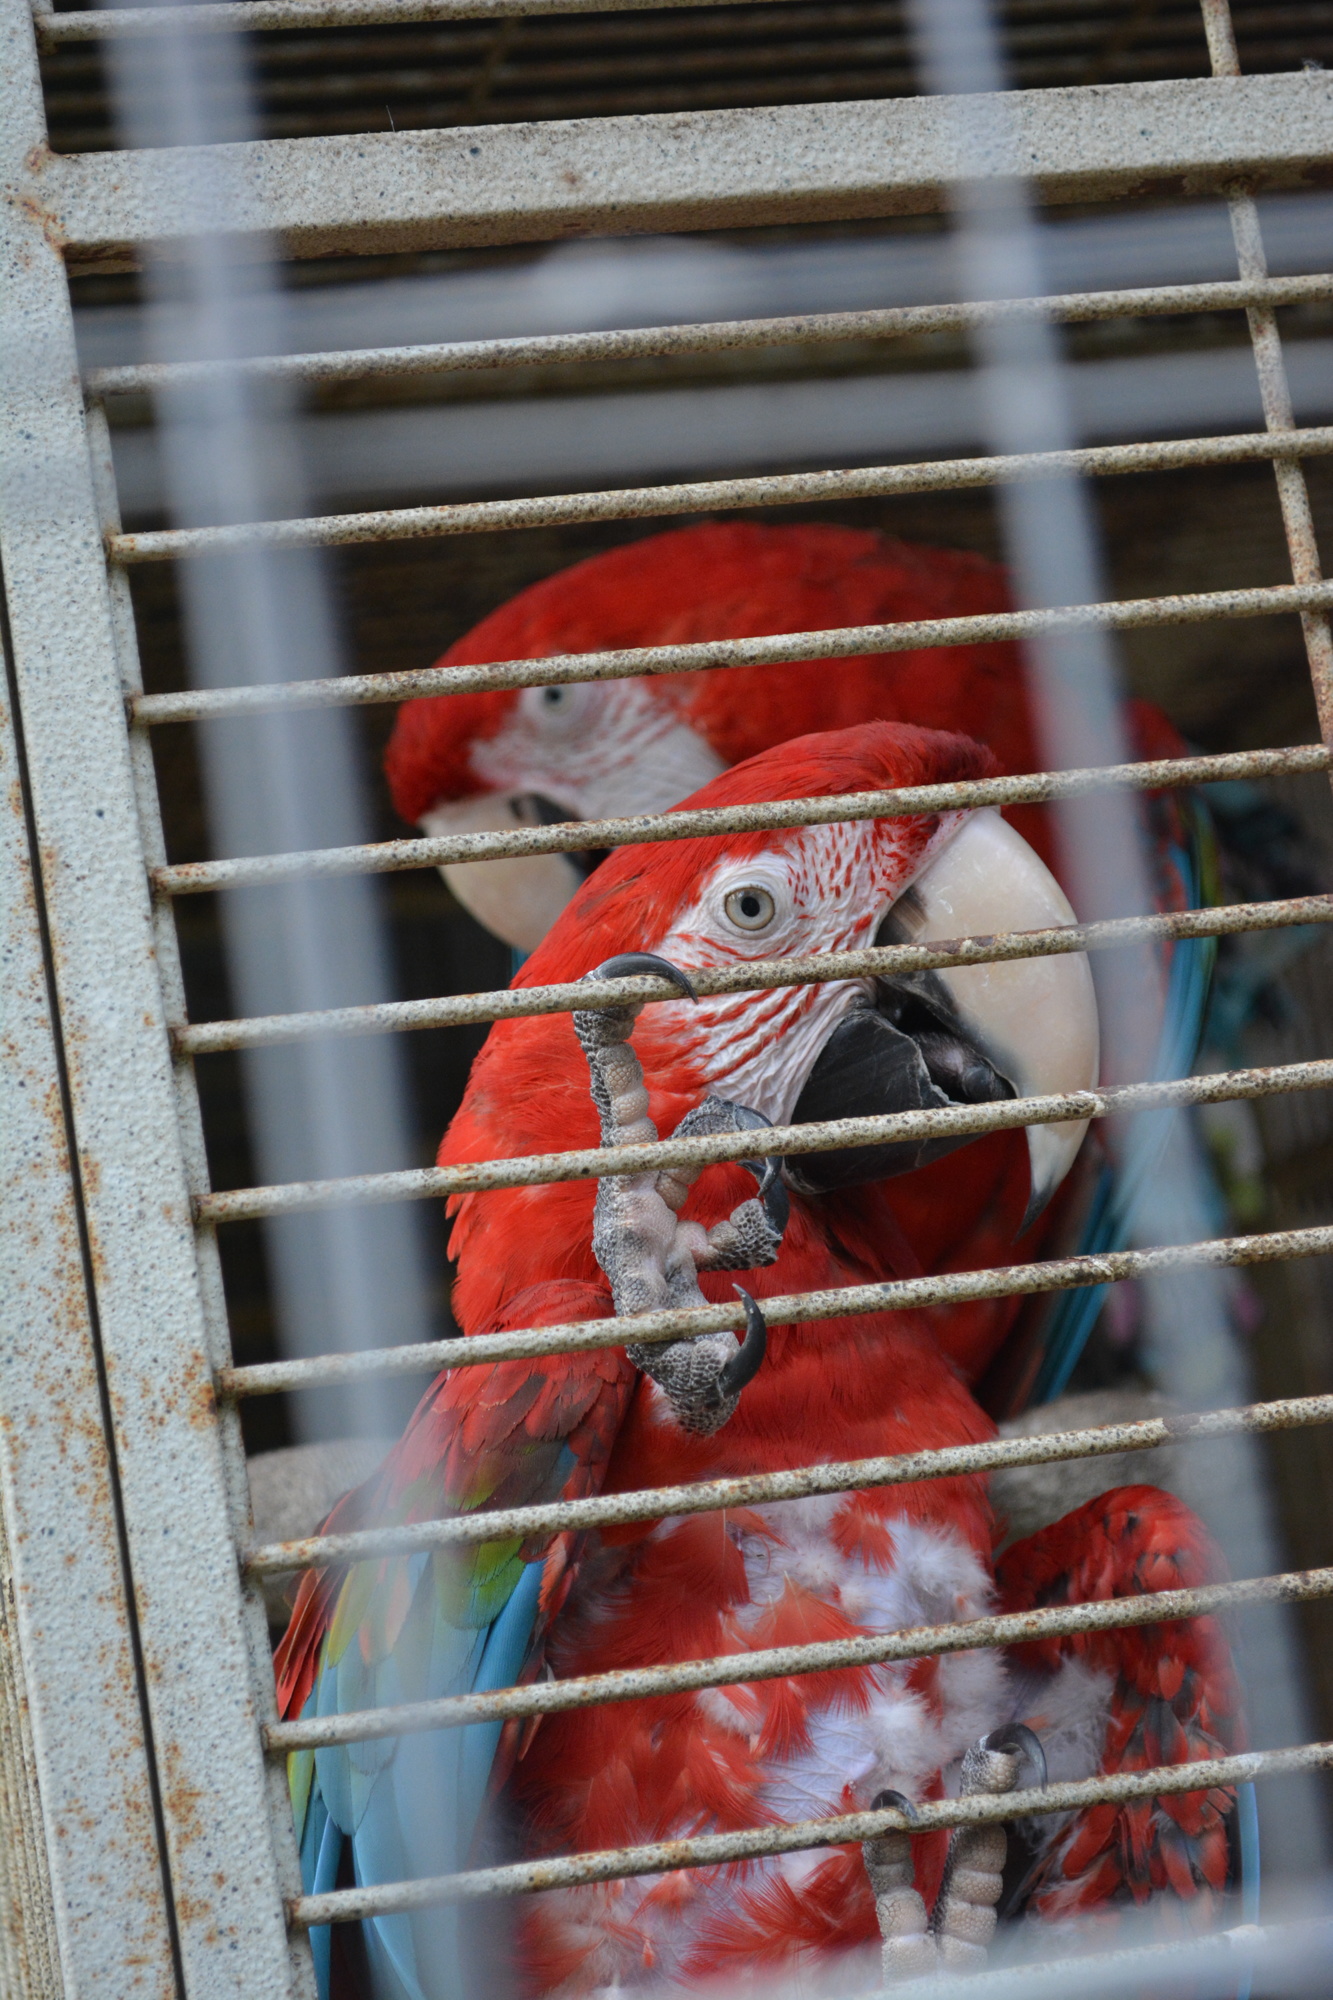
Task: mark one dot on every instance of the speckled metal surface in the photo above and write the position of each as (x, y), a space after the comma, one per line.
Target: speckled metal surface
(489, 357)
(776, 1662)
(1059, 1274)
(558, 669)
(256, 14)
(591, 1163)
(193, 878)
(66, 1617)
(763, 1489)
(637, 503)
(877, 962)
(697, 170)
(166, 1462)
(707, 1851)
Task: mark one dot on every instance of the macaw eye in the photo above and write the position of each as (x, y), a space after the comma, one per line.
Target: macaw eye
(556, 711)
(750, 908)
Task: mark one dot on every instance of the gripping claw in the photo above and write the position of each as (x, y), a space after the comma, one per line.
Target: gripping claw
(893, 1801)
(746, 1362)
(634, 964)
(767, 1171)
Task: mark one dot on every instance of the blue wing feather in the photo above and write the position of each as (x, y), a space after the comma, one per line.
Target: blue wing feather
(411, 1806)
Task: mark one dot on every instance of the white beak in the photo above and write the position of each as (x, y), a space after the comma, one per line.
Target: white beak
(1034, 1018)
(518, 899)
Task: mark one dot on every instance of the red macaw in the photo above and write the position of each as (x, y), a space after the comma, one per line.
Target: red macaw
(474, 762)
(619, 1419)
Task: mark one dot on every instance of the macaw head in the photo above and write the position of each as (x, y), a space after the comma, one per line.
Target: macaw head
(474, 763)
(854, 1047)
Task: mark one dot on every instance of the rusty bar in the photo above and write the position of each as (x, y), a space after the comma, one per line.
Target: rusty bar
(69, 1665)
(267, 1378)
(190, 1120)
(387, 856)
(777, 1662)
(615, 175)
(1274, 389)
(709, 337)
(709, 1850)
(595, 1163)
(783, 489)
(877, 962)
(710, 1496)
(1293, 492)
(216, 16)
(180, 1891)
(554, 670)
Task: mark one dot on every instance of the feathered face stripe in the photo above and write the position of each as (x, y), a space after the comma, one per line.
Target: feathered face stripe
(813, 889)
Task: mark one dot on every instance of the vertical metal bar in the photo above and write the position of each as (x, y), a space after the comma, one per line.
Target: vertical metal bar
(1275, 392)
(29, 1952)
(66, 1612)
(220, 1836)
(190, 1118)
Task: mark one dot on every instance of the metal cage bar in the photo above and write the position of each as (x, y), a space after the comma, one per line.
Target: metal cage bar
(214, 16)
(398, 524)
(556, 669)
(527, 1343)
(712, 1850)
(487, 357)
(694, 170)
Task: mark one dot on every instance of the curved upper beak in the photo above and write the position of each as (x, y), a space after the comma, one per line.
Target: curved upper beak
(1024, 1028)
(520, 898)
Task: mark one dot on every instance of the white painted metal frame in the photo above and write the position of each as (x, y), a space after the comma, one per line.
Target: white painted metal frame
(170, 1856)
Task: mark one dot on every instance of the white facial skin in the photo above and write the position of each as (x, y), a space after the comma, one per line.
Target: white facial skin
(596, 749)
(828, 890)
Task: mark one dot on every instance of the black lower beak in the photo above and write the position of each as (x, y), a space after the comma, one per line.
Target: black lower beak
(908, 1052)
(535, 809)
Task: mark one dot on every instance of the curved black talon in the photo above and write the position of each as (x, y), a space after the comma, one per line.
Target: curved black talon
(1017, 1739)
(632, 964)
(768, 1171)
(896, 1802)
(746, 1362)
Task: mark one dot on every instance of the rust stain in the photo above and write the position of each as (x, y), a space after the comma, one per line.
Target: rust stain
(29, 206)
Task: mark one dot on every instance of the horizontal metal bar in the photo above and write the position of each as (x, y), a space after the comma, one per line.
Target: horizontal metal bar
(244, 16)
(194, 878)
(560, 669)
(878, 962)
(778, 1662)
(269, 1378)
(779, 489)
(471, 185)
(708, 337)
(711, 1850)
(711, 1496)
(596, 1163)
